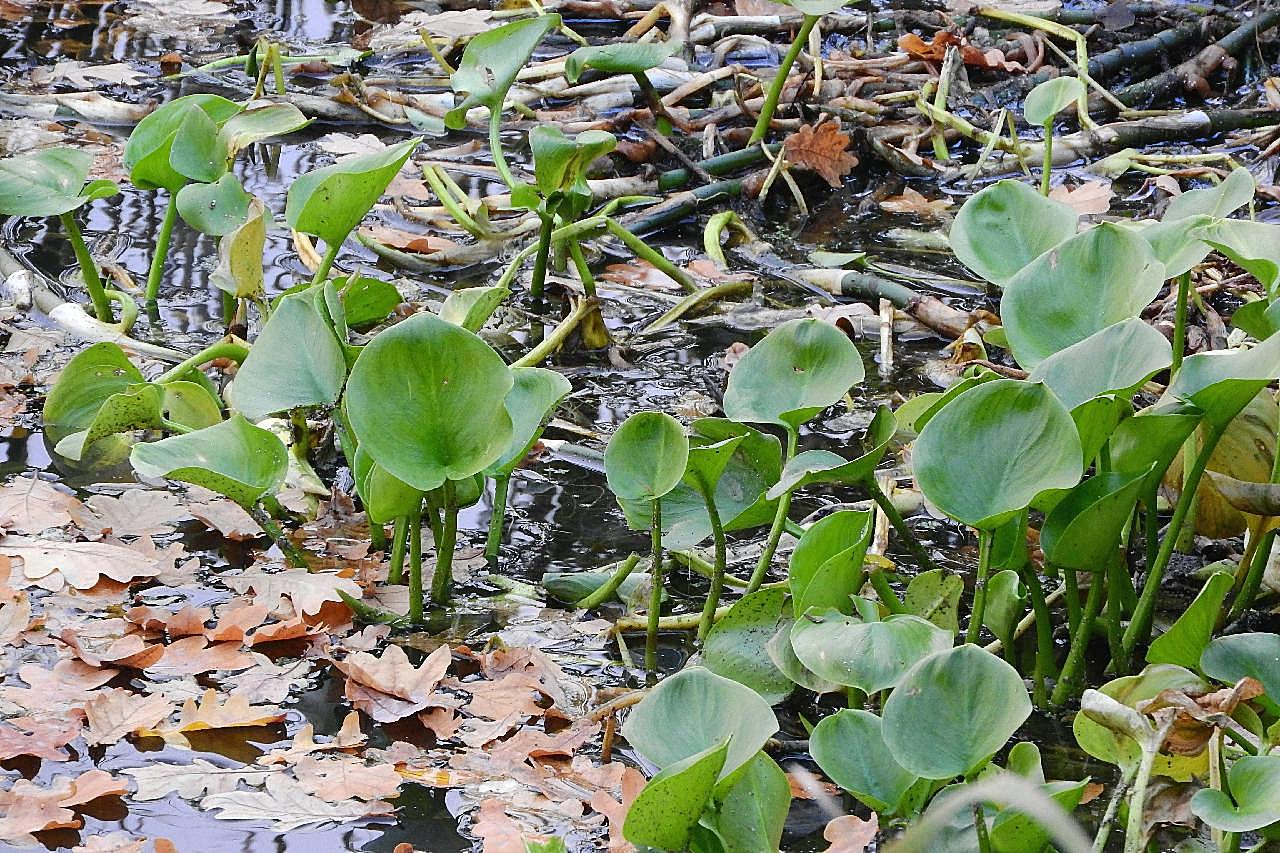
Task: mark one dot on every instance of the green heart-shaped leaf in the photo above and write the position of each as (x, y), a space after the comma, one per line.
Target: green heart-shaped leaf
(752, 812)
(329, 202)
(621, 58)
(823, 466)
(1254, 781)
(214, 209)
(533, 397)
(471, 307)
(366, 300)
(233, 458)
(849, 747)
(261, 121)
(1222, 382)
(871, 656)
(1116, 360)
(1049, 98)
(1187, 638)
(1083, 530)
(737, 645)
(490, 63)
(825, 566)
(646, 456)
(48, 182)
(668, 808)
(1235, 191)
(1006, 603)
(179, 142)
(1252, 655)
(1001, 229)
(88, 380)
(384, 496)
(1253, 245)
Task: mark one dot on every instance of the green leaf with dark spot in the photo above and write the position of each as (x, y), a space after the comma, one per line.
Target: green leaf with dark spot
(737, 645)
(214, 209)
(233, 458)
(329, 202)
(668, 808)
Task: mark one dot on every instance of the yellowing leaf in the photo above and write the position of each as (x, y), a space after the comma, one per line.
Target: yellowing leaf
(209, 713)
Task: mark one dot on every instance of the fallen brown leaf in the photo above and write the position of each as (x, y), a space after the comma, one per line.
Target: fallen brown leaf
(213, 713)
(52, 565)
(342, 777)
(913, 203)
(30, 505)
(115, 714)
(1091, 197)
(194, 656)
(407, 241)
(42, 738)
(822, 149)
(390, 688)
(851, 834)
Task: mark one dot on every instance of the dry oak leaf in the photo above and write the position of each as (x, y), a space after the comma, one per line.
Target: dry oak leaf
(115, 714)
(442, 722)
(912, 202)
(194, 656)
(304, 742)
(407, 241)
(307, 591)
(42, 738)
(15, 615)
(116, 842)
(21, 818)
(65, 791)
(227, 517)
(187, 622)
(234, 713)
(52, 565)
(288, 805)
(499, 832)
(390, 688)
(236, 621)
(821, 148)
(1091, 197)
(192, 781)
(29, 505)
(131, 650)
(69, 684)
(267, 681)
(632, 783)
(342, 777)
(851, 834)
(136, 512)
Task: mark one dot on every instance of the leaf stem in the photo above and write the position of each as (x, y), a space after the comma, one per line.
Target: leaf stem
(237, 352)
(498, 516)
(399, 538)
(1046, 166)
(655, 593)
(606, 590)
(538, 281)
(414, 523)
(980, 586)
(88, 269)
(779, 81)
(326, 263)
(293, 555)
(1044, 635)
(647, 253)
(779, 520)
(156, 273)
(1068, 680)
(721, 558)
(442, 580)
(495, 148)
(899, 524)
(1180, 321)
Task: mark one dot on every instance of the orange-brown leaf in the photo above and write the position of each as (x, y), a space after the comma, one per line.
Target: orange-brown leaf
(822, 149)
(390, 688)
(115, 714)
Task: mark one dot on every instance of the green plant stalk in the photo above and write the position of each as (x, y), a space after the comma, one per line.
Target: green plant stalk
(899, 525)
(1072, 586)
(414, 523)
(1046, 167)
(1151, 525)
(498, 517)
(1044, 665)
(1140, 626)
(292, 554)
(693, 300)
(722, 559)
(940, 151)
(326, 263)
(692, 561)
(1069, 680)
(606, 590)
(442, 580)
(301, 433)
(539, 278)
(584, 271)
(88, 269)
(980, 827)
(1115, 613)
(377, 537)
(885, 592)
(595, 335)
(450, 203)
(779, 520)
(495, 148)
(655, 593)
(770, 105)
(399, 538)
(222, 349)
(1253, 580)
(1180, 321)
(156, 273)
(678, 622)
(1133, 834)
(558, 336)
(647, 253)
(980, 587)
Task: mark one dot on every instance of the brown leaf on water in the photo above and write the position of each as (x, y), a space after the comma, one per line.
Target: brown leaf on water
(130, 650)
(23, 817)
(226, 517)
(136, 512)
(237, 620)
(390, 688)
(30, 505)
(304, 742)
(267, 681)
(407, 241)
(935, 50)
(194, 656)
(307, 591)
(15, 615)
(822, 149)
(53, 565)
(341, 777)
(851, 834)
(39, 737)
(497, 830)
(1169, 804)
(213, 713)
(65, 791)
(115, 714)
(187, 622)
(913, 203)
(1091, 197)
(1199, 716)
(287, 805)
(616, 812)
(69, 684)
(115, 842)
(442, 722)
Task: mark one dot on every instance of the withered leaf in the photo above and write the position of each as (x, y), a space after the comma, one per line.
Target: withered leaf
(195, 655)
(42, 738)
(30, 505)
(307, 591)
(390, 688)
(288, 805)
(851, 834)
(115, 714)
(211, 713)
(192, 781)
(822, 149)
(341, 777)
(52, 565)
(913, 203)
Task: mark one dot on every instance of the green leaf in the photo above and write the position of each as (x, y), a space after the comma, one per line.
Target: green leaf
(646, 456)
(191, 404)
(668, 808)
(329, 202)
(784, 658)
(1006, 226)
(385, 497)
(572, 587)
(1187, 638)
(752, 813)
(795, 372)
(1222, 382)
(1149, 441)
(1254, 781)
(1259, 318)
(935, 595)
(239, 269)
(1115, 747)
(825, 566)
(1252, 655)
(1083, 530)
(471, 307)
(986, 455)
(47, 182)
(1100, 277)
(426, 399)
(296, 361)
(560, 164)
(88, 380)
(1253, 245)
(490, 63)
(663, 729)
(849, 747)
(1050, 98)
(259, 122)
(620, 58)
(1235, 191)
(214, 209)
(233, 458)
(178, 143)
(952, 711)
(871, 656)
(1006, 603)
(366, 300)
(1116, 360)
(1174, 243)
(737, 645)
(534, 395)
(823, 466)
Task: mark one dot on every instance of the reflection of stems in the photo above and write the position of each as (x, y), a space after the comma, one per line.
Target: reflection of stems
(1067, 681)
(722, 557)
(293, 555)
(980, 586)
(443, 577)
(495, 148)
(399, 536)
(156, 273)
(496, 518)
(780, 80)
(606, 590)
(779, 521)
(1180, 322)
(414, 523)
(655, 594)
(326, 263)
(222, 349)
(1046, 168)
(88, 269)
(1140, 625)
(899, 524)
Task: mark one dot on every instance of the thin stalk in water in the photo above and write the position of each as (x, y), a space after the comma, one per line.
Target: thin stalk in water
(414, 523)
(605, 591)
(1046, 168)
(399, 538)
(899, 525)
(498, 517)
(443, 577)
(885, 592)
(326, 263)
(655, 594)
(293, 555)
(495, 148)
(88, 269)
(156, 273)
(1044, 666)
(980, 587)
(1072, 586)
(1253, 579)
(222, 349)
(1180, 321)
(721, 559)
(770, 105)
(539, 279)
(1069, 680)
(779, 521)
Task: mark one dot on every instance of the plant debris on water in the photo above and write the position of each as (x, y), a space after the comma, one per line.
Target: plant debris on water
(717, 427)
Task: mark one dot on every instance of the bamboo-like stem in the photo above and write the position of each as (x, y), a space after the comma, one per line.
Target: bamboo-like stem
(326, 263)
(604, 592)
(779, 521)
(88, 269)
(980, 587)
(1044, 665)
(779, 81)
(1072, 585)
(539, 278)
(1068, 681)
(1046, 168)
(156, 272)
(414, 523)
(646, 252)
(498, 516)
(722, 557)
(442, 579)
(655, 593)
(399, 538)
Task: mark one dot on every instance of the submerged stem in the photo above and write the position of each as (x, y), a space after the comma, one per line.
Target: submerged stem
(443, 577)
(779, 81)
(414, 523)
(655, 593)
(899, 525)
(88, 269)
(1180, 321)
(1067, 682)
(722, 557)
(980, 587)
(498, 516)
